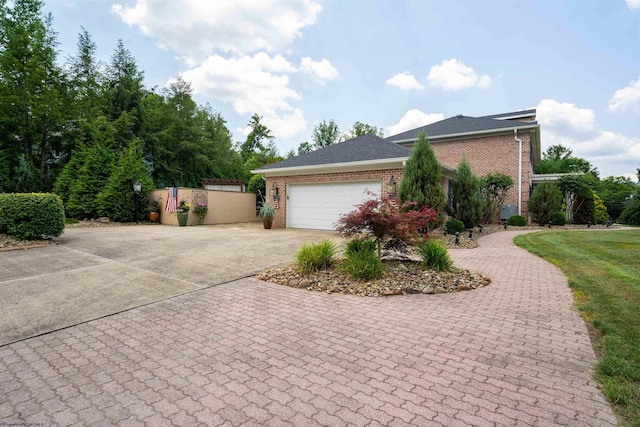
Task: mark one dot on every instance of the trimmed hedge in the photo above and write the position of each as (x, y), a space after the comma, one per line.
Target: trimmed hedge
(517, 220)
(31, 215)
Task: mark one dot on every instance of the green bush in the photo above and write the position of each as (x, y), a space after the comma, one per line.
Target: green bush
(545, 201)
(631, 213)
(454, 226)
(517, 220)
(434, 255)
(31, 215)
(363, 265)
(360, 245)
(559, 218)
(315, 256)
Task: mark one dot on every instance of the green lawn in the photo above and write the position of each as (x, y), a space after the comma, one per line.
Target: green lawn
(603, 268)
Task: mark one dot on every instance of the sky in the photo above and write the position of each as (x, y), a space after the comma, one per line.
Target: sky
(393, 64)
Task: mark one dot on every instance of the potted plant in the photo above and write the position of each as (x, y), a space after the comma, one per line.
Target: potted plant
(267, 213)
(183, 213)
(201, 209)
(154, 210)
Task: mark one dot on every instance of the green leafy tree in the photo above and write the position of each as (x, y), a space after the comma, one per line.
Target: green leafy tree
(545, 202)
(5, 172)
(422, 177)
(494, 189)
(360, 129)
(256, 139)
(585, 207)
(325, 134)
(465, 203)
(571, 186)
(600, 210)
(631, 213)
(117, 199)
(304, 147)
(615, 192)
(560, 159)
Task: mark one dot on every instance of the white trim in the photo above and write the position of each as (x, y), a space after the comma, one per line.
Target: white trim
(482, 132)
(363, 165)
(542, 177)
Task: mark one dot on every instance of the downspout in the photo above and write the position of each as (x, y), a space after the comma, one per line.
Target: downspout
(515, 132)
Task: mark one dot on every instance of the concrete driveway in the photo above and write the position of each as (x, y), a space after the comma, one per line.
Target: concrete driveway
(95, 272)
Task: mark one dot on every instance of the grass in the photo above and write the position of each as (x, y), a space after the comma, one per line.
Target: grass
(603, 268)
(315, 256)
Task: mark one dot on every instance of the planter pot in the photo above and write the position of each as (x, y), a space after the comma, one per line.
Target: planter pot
(182, 218)
(266, 222)
(154, 217)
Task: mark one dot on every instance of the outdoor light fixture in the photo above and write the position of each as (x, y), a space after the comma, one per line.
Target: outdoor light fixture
(275, 192)
(391, 187)
(137, 187)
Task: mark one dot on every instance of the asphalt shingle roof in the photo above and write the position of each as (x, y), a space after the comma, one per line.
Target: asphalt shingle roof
(362, 148)
(457, 125)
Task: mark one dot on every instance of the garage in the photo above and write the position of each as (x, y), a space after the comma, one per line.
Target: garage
(319, 206)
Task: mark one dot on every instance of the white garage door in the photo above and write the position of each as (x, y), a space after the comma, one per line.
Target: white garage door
(319, 206)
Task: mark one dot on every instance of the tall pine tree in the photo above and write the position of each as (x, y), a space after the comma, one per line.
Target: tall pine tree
(422, 177)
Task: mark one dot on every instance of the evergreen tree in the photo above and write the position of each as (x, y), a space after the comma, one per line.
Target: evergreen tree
(91, 179)
(465, 203)
(631, 213)
(32, 91)
(117, 199)
(494, 189)
(422, 177)
(545, 202)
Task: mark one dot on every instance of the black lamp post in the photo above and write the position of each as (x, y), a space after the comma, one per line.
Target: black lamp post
(136, 188)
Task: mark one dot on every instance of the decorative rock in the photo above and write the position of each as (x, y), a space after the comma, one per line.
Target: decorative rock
(293, 283)
(429, 290)
(410, 290)
(304, 284)
(486, 281)
(464, 288)
(440, 290)
(388, 292)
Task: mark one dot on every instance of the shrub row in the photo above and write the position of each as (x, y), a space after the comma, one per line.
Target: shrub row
(31, 215)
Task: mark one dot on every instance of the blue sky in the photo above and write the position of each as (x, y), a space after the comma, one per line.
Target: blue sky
(393, 64)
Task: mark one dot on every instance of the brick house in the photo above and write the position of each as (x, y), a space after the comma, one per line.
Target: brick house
(313, 189)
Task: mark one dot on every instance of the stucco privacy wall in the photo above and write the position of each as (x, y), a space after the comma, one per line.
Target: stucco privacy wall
(225, 207)
(498, 153)
(280, 206)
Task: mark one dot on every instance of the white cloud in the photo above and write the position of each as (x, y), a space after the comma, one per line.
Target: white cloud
(628, 97)
(405, 81)
(633, 4)
(196, 29)
(611, 152)
(413, 119)
(252, 84)
(453, 74)
(321, 71)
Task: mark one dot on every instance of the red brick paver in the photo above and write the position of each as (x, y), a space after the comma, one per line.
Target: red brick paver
(254, 353)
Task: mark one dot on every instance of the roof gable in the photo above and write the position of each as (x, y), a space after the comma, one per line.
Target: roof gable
(460, 125)
(362, 148)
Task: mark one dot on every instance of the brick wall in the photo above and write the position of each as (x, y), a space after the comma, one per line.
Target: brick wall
(492, 154)
(280, 206)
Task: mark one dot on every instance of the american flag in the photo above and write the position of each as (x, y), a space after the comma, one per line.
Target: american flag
(172, 200)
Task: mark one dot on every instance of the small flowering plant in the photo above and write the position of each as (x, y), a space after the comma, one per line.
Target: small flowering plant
(183, 207)
(200, 207)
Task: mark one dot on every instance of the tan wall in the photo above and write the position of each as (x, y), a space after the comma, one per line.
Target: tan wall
(492, 154)
(224, 206)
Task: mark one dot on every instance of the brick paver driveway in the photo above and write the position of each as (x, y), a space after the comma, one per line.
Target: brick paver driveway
(253, 353)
